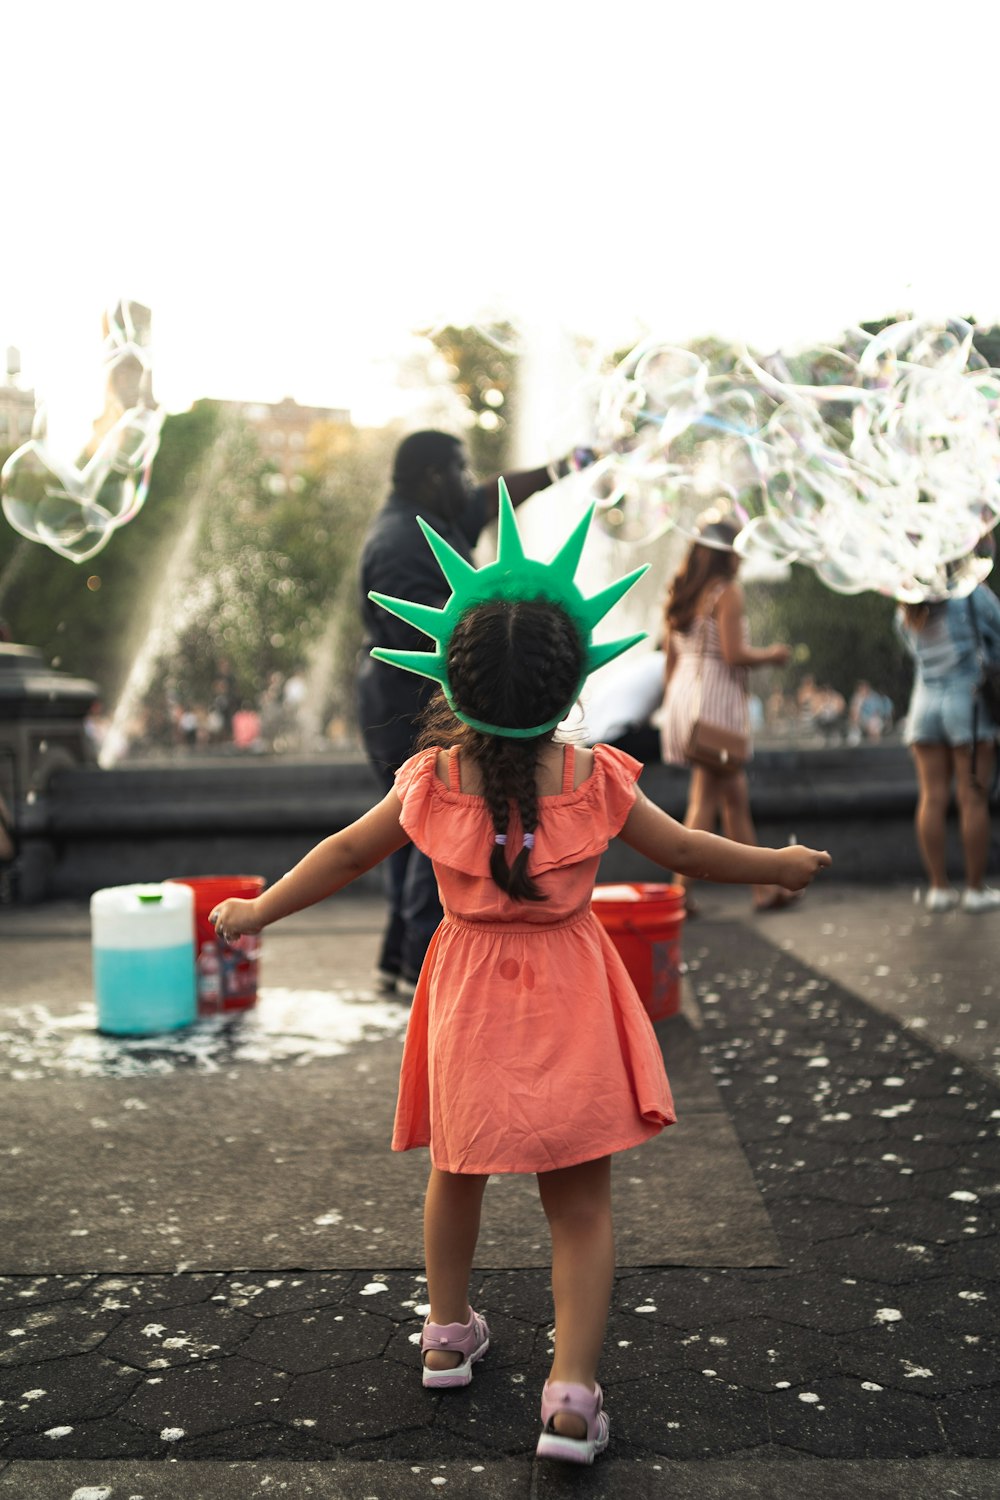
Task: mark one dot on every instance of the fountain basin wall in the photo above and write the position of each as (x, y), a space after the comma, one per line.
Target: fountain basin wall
(206, 817)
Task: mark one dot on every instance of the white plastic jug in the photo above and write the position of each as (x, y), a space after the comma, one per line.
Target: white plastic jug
(143, 945)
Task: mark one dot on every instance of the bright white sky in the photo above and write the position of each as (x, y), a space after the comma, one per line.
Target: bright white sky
(291, 188)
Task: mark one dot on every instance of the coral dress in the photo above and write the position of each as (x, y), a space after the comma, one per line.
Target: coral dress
(528, 1047)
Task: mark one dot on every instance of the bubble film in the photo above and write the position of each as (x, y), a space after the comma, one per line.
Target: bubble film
(878, 466)
(74, 507)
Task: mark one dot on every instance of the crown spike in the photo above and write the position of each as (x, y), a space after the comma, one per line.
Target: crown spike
(511, 577)
(567, 559)
(598, 605)
(426, 663)
(599, 656)
(510, 553)
(458, 573)
(423, 617)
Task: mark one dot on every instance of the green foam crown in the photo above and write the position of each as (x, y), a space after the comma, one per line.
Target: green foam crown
(513, 577)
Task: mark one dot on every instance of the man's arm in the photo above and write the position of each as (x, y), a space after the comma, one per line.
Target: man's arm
(527, 482)
(520, 486)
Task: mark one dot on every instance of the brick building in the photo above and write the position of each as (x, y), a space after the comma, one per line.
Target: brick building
(17, 406)
(284, 428)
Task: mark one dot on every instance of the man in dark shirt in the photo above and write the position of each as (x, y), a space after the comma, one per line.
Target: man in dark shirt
(430, 478)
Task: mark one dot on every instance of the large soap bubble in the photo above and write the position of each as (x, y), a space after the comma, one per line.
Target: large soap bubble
(877, 465)
(672, 437)
(74, 507)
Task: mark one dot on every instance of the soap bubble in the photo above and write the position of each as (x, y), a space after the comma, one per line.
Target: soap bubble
(673, 437)
(877, 465)
(71, 508)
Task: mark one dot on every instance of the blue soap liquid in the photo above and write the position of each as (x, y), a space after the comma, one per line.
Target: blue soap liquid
(145, 990)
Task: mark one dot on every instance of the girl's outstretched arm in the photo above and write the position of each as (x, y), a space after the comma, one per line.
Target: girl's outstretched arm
(333, 864)
(704, 856)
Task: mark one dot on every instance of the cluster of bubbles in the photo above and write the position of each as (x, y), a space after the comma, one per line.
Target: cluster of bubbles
(878, 465)
(74, 507)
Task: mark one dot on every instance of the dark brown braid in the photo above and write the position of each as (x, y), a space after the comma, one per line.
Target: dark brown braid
(515, 664)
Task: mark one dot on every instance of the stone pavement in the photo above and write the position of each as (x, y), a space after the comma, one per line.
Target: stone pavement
(209, 1270)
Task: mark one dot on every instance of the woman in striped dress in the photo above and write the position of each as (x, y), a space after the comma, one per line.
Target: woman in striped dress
(707, 639)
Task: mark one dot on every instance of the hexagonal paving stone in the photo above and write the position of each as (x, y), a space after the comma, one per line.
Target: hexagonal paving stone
(21, 1291)
(962, 1304)
(922, 1360)
(207, 1397)
(42, 1396)
(263, 1296)
(365, 1400)
(759, 1352)
(499, 1411)
(685, 1416)
(150, 1293)
(177, 1336)
(49, 1331)
(318, 1339)
(838, 1418)
(970, 1422)
(879, 1257)
(106, 1438)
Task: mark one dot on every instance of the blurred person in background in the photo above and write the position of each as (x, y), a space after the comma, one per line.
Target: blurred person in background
(708, 655)
(952, 737)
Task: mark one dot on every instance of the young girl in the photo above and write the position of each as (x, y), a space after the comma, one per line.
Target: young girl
(528, 1049)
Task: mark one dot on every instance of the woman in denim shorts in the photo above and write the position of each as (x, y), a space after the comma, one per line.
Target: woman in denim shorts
(952, 737)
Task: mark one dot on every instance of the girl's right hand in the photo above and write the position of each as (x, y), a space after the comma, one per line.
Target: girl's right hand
(779, 656)
(799, 865)
(234, 918)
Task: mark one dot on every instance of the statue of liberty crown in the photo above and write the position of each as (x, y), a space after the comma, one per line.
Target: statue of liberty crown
(513, 577)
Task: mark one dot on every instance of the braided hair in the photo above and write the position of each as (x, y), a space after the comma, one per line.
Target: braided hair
(513, 663)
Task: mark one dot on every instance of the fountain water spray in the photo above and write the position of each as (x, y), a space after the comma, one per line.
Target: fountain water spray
(179, 597)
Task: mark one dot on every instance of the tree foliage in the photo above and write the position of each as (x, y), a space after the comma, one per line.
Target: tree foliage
(215, 569)
(846, 637)
(482, 370)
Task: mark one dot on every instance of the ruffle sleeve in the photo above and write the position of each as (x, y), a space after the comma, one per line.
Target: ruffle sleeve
(580, 824)
(455, 829)
(449, 827)
(414, 787)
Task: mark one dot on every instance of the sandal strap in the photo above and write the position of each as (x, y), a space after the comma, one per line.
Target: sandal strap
(457, 1338)
(567, 1396)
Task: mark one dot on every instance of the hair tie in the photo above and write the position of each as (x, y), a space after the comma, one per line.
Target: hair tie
(529, 841)
(499, 838)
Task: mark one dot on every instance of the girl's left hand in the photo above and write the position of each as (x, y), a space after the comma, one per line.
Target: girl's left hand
(234, 918)
(799, 865)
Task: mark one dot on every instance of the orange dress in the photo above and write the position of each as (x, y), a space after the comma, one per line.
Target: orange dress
(527, 1047)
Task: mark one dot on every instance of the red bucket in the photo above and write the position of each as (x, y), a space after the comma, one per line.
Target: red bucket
(227, 976)
(644, 922)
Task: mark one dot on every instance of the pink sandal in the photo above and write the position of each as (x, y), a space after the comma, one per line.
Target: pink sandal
(471, 1340)
(561, 1396)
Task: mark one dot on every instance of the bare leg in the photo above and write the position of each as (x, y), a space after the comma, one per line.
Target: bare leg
(738, 825)
(452, 1209)
(934, 765)
(972, 793)
(702, 809)
(577, 1204)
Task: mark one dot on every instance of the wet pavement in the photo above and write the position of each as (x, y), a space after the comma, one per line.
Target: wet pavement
(210, 1281)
